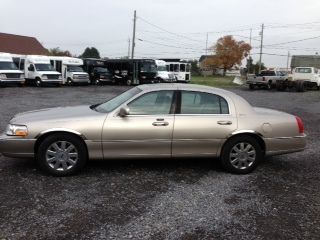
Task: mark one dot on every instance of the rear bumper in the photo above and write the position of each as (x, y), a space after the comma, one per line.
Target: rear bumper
(283, 145)
(16, 147)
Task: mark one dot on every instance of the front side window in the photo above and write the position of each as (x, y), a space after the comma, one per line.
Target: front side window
(202, 103)
(152, 103)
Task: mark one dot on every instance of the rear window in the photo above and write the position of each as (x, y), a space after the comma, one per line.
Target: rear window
(303, 70)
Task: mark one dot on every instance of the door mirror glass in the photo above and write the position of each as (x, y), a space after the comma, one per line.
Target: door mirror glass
(31, 68)
(124, 111)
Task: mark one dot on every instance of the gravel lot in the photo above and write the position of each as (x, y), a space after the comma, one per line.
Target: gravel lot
(162, 199)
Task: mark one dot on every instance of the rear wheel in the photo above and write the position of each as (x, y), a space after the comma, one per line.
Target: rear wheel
(269, 85)
(69, 82)
(251, 86)
(300, 86)
(129, 82)
(241, 155)
(62, 154)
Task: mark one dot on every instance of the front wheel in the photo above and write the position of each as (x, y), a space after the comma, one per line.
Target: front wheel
(241, 155)
(62, 154)
(38, 82)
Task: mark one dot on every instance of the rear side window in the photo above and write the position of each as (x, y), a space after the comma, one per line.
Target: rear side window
(202, 103)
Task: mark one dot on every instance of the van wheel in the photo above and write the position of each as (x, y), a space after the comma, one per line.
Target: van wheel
(251, 86)
(241, 155)
(129, 82)
(269, 85)
(62, 154)
(38, 82)
(97, 82)
(300, 86)
(69, 82)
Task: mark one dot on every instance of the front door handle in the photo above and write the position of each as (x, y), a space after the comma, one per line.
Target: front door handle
(157, 124)
(224, 122)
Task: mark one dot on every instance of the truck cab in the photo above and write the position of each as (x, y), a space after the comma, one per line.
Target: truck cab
(71, 70)
(162, 73)
(9, 72)
(38, 69)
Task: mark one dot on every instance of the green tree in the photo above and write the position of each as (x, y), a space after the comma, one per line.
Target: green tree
(58, 52)
(90, 53)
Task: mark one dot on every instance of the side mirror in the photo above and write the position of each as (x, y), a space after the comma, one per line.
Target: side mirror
(30, 69)
(124, 111)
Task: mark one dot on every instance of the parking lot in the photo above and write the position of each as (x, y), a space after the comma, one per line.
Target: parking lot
(162, 199)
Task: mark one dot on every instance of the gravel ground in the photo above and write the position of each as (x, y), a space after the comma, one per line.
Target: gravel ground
(162, 199)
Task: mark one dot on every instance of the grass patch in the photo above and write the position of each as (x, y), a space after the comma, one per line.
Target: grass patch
(214, 81)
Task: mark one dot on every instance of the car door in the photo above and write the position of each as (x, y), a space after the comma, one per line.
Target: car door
(145, 132)
(202, 122)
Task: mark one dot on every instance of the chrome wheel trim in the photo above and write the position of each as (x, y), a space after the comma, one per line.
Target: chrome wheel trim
(38, 83)
(242, 155)
(61, 156)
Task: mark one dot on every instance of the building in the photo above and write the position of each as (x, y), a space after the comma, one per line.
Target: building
(305, 61)
(17, 44)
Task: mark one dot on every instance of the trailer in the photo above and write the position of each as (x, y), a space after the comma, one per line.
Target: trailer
(133, 71)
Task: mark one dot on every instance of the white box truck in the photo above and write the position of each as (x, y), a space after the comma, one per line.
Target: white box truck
(38, 69)
(9, 72)
(71, 70)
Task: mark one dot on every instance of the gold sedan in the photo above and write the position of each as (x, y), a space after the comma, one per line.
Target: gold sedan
(154, 121)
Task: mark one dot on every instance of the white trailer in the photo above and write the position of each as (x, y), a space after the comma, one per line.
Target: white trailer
(71, 70)
(181, 71)
(38, 69)
(9, 72)
(162, 73)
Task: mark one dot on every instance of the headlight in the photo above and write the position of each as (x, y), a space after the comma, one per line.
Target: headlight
(17, 130)
(3, 76)
(44, 76)
(22, 76)
(60, 77)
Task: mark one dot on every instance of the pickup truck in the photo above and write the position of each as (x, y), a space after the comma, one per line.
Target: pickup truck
(267, 78)
(301, 79)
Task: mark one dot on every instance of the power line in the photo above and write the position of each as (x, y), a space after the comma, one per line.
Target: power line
(166, 45)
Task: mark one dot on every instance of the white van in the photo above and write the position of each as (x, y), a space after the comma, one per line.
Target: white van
(39, 70)
(71, 69)
(181, 71)
(162, 73)
(9, 72)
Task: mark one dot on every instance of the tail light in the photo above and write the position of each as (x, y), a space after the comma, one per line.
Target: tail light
(300, 125)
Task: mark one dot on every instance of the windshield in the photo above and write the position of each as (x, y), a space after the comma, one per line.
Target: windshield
(117, 101)
(74, 69)
(101, 70)
(8, 66)
(162, 68)
(44, 67)
(148, 67)
(303, 70)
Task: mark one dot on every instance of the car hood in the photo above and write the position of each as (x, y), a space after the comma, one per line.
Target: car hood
(52, 114)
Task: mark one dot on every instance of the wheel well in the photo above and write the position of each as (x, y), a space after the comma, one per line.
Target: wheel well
(253, 135)
(42, 137)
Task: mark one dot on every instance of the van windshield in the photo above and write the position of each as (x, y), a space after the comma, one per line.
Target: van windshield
(44, 67)
(162, 68)
(8, 66)
(74, 69)
(148, 67)
(303, 70)
(101, 70)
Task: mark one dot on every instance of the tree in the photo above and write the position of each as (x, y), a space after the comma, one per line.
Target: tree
(228, 53)
(58, 52)
(90, 53)
(254, 68)
(194, 67)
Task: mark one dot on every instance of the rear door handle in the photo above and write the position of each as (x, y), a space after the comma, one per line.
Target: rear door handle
(224, 122)
(158, 124)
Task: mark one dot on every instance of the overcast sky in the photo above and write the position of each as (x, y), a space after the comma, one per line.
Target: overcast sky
(167, 28)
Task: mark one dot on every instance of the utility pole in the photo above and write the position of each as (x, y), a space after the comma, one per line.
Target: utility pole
(261, 45)
(288, 60)
(134, 33)
(207, 44)
(250, 40)
(128, 48)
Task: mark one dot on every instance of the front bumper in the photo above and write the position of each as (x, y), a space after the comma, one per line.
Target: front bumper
(16, 147)
(283, 145)
(81, 80)
(12, 80)
(168, 80)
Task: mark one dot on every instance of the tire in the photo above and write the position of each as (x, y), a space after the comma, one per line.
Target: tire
(69, 82)
(97, 82)
(247, 160)
(70, 150)
(300, 86)
(269, 85)
(129, 82)
(38, 82)
(251, 86)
